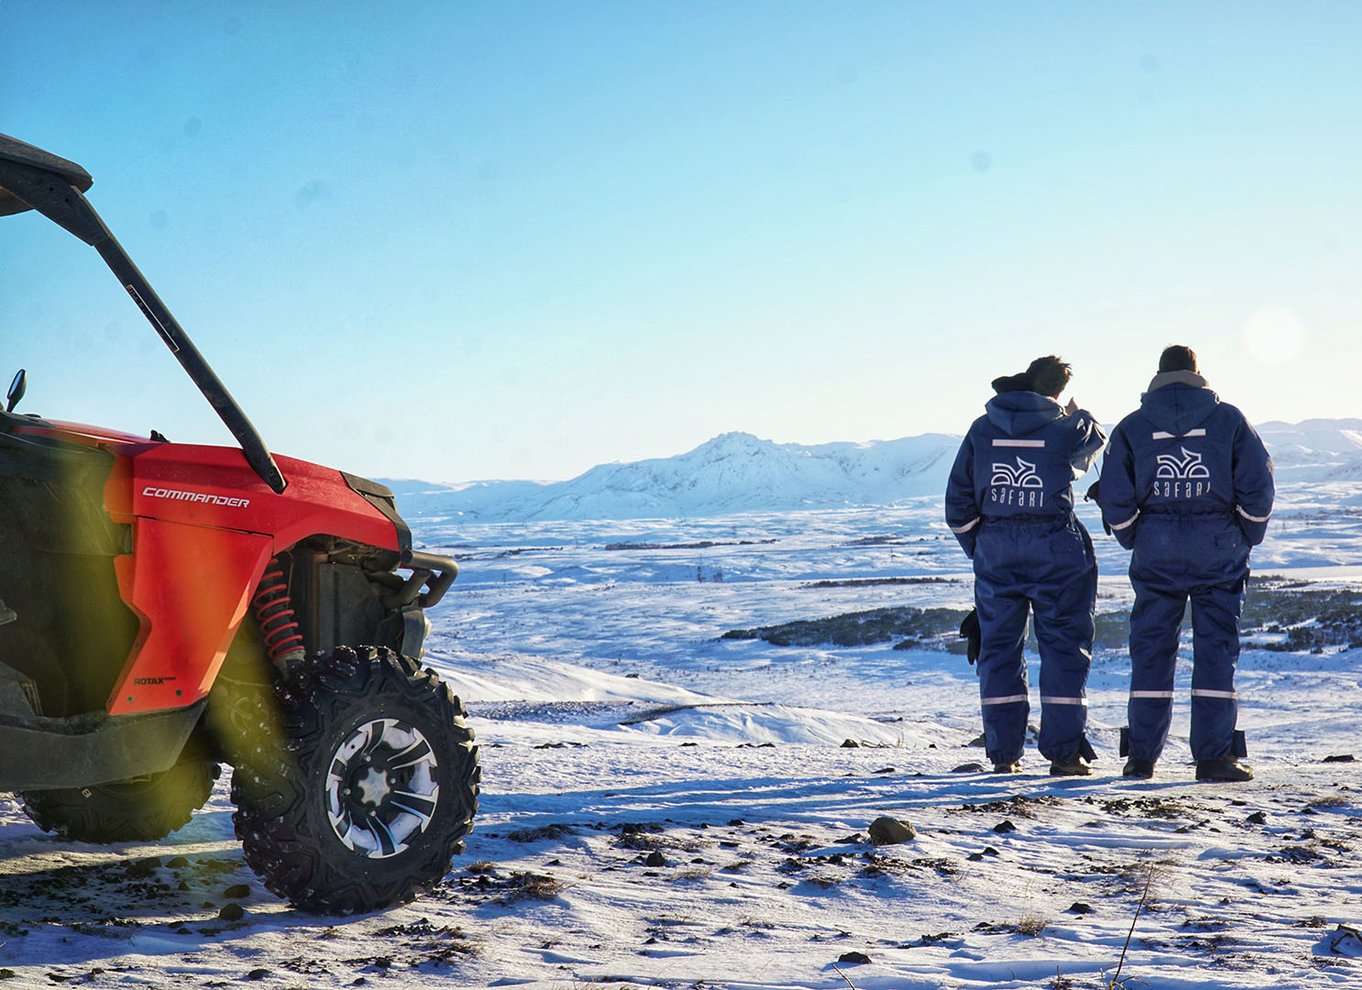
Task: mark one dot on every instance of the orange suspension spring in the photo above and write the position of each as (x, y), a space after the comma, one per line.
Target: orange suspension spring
(274, 611)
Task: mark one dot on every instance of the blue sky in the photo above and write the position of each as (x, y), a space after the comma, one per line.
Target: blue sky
(475, 240)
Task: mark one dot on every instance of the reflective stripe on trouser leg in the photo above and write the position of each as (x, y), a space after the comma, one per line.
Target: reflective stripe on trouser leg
(1002, 674)
(1155, 623)
(1063, 611)
(1215, 654)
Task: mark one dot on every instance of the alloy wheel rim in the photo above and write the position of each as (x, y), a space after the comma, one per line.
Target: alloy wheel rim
(381, 789)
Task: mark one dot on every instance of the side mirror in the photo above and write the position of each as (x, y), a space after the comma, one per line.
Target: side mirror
(16, 390)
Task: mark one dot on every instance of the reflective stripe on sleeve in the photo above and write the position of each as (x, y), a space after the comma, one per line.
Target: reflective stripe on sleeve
(1050, 699)
(1008, 700)
(1259, 519)
(1204, 693)
(1128, 523)
(968, 526)
(1156, 695)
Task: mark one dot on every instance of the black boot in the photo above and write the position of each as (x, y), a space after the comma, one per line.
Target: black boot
(1136, 767)
(1072, 766)
(1226, 769)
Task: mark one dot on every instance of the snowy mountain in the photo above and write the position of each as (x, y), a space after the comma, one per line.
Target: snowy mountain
(734, 472)
(738, 472)
(1315, 449)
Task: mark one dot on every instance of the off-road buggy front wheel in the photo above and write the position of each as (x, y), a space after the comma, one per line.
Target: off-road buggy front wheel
(373, 792)
(141, 809)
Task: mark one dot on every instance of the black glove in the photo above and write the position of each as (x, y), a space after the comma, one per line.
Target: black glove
(969, 631)
(1095, 495)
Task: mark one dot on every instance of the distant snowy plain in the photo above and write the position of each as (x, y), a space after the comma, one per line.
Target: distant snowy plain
(664, 808)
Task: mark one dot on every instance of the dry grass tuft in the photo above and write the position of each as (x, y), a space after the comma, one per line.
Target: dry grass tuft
(690, 873)
(524, 886)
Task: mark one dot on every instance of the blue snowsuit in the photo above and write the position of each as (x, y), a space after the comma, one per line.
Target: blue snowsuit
(1187, 484)
(1009, 502)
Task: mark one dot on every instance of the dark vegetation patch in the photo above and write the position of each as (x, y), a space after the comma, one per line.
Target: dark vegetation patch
(883, 866)
(1150, 807)
(499, 887)
(909, 624)
(939, 864)
(1111, 631)
(700, 545)
(644, 836)
(523, 885)
(1030, 925)
(1288, 616)
(1311, 619)
(650, 837)
(553, 831)
(111, 899)
(1298, 856)
(872, 582)
(1019, 805)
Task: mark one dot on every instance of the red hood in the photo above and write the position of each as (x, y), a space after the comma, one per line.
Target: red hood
(90, 436)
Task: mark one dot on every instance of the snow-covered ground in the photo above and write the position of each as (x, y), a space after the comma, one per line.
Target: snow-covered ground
(665, 808)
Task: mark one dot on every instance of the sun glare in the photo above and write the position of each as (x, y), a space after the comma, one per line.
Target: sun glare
(1274, 336)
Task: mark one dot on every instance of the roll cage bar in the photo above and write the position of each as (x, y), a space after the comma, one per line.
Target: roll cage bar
(33, 179)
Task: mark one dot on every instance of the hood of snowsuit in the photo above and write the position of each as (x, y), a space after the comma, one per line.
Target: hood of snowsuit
(1020, 413)
(1176, 402)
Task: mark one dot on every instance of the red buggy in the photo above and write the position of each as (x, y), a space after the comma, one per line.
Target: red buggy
(166, 608)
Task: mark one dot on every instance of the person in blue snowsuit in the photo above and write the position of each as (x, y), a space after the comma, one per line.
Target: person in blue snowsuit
(1187, 485)
(1009, 502)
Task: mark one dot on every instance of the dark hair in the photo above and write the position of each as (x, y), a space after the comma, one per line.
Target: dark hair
(1177, 357)
(1048, 375)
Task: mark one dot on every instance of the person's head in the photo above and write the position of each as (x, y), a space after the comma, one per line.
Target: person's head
(1049, 375)
(1177, 357)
